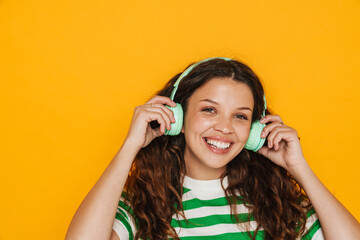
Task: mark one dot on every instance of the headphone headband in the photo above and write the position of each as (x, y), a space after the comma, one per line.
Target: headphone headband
(189, 69)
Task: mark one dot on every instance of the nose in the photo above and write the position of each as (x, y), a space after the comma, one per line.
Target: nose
(224, 125)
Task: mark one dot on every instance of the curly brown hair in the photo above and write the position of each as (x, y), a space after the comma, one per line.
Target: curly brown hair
(154, 187)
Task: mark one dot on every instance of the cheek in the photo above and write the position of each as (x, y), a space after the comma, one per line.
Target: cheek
(243, 131)
(198, 123)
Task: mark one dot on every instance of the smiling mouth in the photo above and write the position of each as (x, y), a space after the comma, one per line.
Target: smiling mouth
(218, 144)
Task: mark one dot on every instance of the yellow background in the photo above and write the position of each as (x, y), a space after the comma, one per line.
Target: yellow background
(72, 72)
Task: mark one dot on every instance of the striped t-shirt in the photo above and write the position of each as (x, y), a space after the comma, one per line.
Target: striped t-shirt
(208, 215)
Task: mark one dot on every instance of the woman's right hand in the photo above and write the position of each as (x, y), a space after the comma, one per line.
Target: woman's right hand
(140, 132)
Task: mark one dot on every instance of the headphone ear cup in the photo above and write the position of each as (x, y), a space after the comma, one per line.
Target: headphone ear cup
(179, 118)
(255, 142)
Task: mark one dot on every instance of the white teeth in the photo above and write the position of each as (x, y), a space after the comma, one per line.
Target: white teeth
(217, 144)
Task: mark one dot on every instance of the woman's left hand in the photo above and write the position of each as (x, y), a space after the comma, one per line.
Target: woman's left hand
(284, 147)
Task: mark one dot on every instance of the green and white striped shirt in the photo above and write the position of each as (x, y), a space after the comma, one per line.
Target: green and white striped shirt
(208, 213)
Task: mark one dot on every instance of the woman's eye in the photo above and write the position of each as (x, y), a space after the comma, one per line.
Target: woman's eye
(208, 110)
(240, 116)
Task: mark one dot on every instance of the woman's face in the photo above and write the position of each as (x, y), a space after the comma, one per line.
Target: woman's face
(216, 126)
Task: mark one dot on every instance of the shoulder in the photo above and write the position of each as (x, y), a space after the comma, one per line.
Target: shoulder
(313, 229)
(124, 222)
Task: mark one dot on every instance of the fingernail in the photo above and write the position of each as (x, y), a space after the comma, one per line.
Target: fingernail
(263, 134)
(268, 144)
(262, 120)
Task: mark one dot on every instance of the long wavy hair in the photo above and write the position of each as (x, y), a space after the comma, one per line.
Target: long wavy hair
(154, 186)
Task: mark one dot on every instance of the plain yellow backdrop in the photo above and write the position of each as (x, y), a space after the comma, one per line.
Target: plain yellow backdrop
(73, 71)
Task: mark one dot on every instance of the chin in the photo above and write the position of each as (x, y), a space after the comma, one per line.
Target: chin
(217, 165)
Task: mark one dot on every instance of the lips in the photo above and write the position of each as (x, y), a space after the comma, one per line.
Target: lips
(220, 139)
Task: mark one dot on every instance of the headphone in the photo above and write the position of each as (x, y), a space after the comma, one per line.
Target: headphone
(254, 142)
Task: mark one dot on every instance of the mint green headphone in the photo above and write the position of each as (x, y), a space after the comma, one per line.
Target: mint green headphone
(254, 142)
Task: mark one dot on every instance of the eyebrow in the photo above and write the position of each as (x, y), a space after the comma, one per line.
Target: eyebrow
(212, 101)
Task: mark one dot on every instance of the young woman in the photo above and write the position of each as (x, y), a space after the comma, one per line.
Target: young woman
(226, 169)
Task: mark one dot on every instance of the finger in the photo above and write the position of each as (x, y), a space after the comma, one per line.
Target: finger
(156, 116)
(264, 151)
(271, 118)
(164, 114)
(268, 128)
(277, 139)
(156, 132)
(287, 136)
(165, 109)
(162, 100)
(275, 131)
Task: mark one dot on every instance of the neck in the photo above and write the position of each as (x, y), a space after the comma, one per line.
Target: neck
(202, 173)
